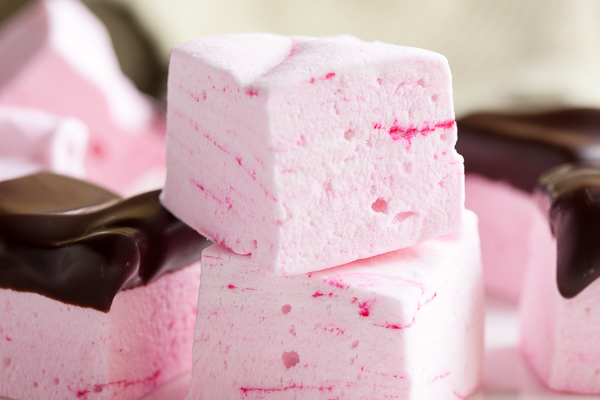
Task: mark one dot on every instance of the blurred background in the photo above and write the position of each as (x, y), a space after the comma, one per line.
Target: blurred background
(504, 54)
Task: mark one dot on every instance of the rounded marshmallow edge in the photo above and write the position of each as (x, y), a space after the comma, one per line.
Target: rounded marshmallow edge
(265, 60)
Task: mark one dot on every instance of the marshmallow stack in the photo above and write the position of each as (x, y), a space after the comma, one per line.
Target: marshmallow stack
(298, 156)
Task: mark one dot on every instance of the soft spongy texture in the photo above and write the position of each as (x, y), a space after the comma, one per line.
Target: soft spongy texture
(559, 336)
(322, 152)
(406, 325)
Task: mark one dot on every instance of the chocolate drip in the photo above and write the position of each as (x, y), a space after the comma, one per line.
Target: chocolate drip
(79, 244)
(518, 148)
(572, 197)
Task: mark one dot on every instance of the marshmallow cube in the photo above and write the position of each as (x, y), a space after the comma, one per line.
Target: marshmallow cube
(311, 153)
(559, 336)
(54, 351)
(57, 56)
(34, 140)
(405, 325)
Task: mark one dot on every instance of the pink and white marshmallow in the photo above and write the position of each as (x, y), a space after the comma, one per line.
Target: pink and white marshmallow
(406, 325)
(310, 153)
(57, 56)
(53, 350)
(560, 315)
(504, 240)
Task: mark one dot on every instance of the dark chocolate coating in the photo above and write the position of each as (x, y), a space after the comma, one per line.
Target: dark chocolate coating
(571, 195)
(518, 148)
(80, 244)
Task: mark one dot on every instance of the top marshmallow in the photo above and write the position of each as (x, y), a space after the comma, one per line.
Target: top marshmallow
(311, 153)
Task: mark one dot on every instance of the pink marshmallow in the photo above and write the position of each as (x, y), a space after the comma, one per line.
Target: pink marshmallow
(50, 350)
(505, 154)
(405, 325)
(560, 328)
(34, 140)
(505, 247)
(311, 153)
(59, 57)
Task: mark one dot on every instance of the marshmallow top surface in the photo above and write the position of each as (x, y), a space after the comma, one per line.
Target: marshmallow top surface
(262, 60)
(79, 244)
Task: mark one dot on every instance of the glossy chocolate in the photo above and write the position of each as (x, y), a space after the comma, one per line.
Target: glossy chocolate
(518, 148)
(79, 244)
(571, 196)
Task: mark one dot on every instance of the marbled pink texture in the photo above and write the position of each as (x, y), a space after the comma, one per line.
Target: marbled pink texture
(56, 351)
(311, 153)
(404, 325)
(559, 336)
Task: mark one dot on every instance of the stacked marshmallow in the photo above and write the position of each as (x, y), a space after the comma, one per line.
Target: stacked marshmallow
(325, 169)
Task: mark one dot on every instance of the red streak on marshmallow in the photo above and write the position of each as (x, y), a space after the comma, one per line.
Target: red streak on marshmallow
(99, 388)
(247, 390)
(326, 77)
(318, 182)
(61, 351)
(433, 290)
(397, 132)
(394, 326)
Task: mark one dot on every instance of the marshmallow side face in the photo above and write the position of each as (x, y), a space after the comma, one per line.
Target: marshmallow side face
(559, 334)
(505, 246)
(324, 152)
(51, 350)
(407, 324)
(540, 301)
